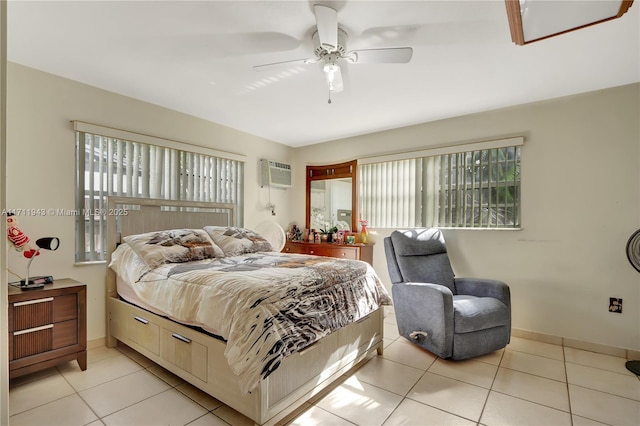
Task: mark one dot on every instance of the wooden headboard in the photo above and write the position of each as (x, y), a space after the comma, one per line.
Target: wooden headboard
(129, 216)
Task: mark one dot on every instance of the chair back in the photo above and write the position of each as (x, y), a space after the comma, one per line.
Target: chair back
(419, 255)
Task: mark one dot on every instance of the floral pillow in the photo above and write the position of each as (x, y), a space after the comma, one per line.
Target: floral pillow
(236, 241)
(173, 246)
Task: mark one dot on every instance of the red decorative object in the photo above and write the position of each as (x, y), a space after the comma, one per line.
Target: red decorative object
(19, 239)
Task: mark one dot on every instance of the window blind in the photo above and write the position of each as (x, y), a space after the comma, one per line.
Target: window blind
(477, 187)
(108, 166)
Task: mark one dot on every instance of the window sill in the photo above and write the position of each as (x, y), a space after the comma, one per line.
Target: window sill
(90, 263)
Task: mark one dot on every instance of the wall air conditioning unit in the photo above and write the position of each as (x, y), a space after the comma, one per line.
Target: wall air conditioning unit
(275, 174)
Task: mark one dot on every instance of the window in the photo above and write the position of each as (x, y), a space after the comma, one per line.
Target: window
(478, 188)
(112, 166)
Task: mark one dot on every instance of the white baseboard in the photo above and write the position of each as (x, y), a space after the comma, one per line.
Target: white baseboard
(96, 343)
(576, 344)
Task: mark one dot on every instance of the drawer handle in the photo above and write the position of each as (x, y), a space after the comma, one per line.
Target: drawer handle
(311, 252)
(31, 302)
(32, 330)
(142, 320)
(181, 338)
(309, 348)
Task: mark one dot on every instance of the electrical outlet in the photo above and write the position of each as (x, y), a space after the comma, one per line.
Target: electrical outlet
(615, 305)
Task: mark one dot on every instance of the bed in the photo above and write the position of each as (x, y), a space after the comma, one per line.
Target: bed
(264, 372)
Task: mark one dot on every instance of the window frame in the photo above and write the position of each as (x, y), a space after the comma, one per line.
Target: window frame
(181, 177)
(440, 187)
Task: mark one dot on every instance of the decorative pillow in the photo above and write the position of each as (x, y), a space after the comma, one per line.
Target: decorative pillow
(235, 241)
(173, 246)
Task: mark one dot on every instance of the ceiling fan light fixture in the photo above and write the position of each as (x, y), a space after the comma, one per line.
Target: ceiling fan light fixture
(333, 75)
(331, 70)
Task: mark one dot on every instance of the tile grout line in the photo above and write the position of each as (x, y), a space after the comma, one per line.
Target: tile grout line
(484, 406)
(566, 377)
(404, 397)
(143, 368)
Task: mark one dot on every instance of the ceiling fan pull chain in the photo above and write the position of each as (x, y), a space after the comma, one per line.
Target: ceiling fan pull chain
(329, 101)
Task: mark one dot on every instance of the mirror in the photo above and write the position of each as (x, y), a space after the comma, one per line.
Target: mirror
(331, 204)
(332, 196)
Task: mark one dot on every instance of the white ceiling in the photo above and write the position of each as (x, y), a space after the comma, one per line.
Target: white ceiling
(197, 57)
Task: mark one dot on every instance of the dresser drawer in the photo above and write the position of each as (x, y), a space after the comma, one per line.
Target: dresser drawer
(327, 250)
(342, 251)
(298, 249)
(338, 251)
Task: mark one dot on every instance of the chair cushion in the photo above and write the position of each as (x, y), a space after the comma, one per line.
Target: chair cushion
(418, 242)
(472, 313)
(422, 257)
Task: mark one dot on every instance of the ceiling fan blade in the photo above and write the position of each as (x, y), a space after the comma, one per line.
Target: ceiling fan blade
(334, 79)
(327, 23)
(392, 55)
(274, 65)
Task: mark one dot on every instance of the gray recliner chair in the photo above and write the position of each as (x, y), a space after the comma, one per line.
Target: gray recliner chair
(451, 317)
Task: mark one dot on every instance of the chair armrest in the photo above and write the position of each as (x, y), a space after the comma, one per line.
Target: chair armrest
(436, 294)
(484, 288)
(427, 308)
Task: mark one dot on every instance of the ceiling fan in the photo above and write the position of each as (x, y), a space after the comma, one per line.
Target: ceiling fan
(330, 50)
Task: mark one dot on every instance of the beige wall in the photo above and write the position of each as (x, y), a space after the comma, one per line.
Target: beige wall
(41, 166)
(581, 198)
(4, 328)
(580, 203)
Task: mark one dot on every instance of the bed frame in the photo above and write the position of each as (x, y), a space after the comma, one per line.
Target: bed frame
(198, 358)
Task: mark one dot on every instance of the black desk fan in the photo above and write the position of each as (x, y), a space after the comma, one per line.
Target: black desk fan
(633, 254)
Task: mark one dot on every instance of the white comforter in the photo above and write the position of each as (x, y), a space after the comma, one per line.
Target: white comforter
(266, 305)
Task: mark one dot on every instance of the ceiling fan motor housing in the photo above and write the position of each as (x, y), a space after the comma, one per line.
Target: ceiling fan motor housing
(341, 49)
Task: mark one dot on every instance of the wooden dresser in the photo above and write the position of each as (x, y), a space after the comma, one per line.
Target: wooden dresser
(47, 326)
(345, 251)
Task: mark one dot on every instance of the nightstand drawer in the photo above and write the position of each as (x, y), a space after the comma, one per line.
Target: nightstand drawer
(65, 307)
(31, 313)
(31, 341)
(65, 334)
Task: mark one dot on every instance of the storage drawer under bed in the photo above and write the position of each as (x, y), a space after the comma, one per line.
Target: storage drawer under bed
(184, 352)
(173, 342)
(134, 326)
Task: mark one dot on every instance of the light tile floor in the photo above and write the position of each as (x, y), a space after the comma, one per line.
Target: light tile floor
(528, 383)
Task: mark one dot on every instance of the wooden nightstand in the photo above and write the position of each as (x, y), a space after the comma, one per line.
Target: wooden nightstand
(47, 326)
